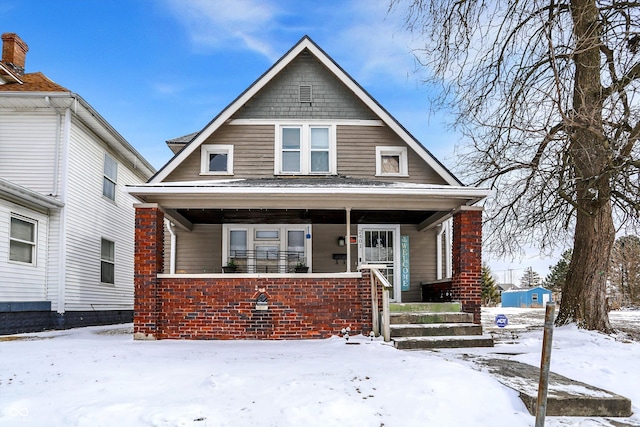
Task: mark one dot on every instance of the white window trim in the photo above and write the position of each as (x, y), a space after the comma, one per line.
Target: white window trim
(34, 244)
(305, 148)
(392, 151)
(252, 240)
(110, 262)
(207, 149)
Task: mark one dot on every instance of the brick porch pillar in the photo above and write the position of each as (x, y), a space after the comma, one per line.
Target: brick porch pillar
(467, 259)
(149, 235)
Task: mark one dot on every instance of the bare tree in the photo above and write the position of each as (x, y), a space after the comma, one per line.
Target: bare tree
(546, 93)
(625, 269)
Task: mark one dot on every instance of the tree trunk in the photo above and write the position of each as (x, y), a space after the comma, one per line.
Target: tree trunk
(584, 293)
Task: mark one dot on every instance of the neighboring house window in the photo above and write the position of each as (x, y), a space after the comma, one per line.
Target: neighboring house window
(216, 160)
(110, 178)
(107, 261)
(534, 297)
(22, 240)
(305, 149)
(391, 161)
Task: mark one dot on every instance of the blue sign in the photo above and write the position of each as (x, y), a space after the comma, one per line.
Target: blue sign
(405, 275)
(501, 320)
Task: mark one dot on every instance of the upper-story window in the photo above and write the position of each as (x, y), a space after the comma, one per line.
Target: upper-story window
(305, 149)
(391, 161)
(22, 240)
(216, 160)
(110, 177)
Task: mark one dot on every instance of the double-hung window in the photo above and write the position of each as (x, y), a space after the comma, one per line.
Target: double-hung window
(107, 261)
(110, 178)
(22, 240)
(305, 149)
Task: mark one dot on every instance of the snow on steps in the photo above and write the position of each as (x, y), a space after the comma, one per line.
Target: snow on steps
(434, 325)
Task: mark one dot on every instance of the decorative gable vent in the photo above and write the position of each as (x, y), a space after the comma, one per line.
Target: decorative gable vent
(305, 93)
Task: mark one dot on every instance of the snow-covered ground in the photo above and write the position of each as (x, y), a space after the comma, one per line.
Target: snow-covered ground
(99, 376)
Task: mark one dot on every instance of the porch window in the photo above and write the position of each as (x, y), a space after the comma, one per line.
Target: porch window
(22, 240)
(107, 261)
(305, 149)
(110, 178)
(391, 161)
(216, 159)
(265, 249)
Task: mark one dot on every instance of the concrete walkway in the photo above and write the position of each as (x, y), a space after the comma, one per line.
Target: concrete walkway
(566, 397)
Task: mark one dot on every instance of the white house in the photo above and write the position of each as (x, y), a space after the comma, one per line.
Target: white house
(66, 225)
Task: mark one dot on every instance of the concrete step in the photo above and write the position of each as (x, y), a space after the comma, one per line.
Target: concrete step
(422, 343)
(566, 397)
(435, 329)
(425, 307)
(429, 318)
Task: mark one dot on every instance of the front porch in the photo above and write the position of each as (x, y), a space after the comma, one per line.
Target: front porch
(284, 305)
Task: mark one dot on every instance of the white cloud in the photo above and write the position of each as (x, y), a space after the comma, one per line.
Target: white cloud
(225, 23)
(368, 41)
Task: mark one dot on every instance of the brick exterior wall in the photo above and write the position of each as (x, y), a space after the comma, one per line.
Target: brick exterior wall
(467, 260)
(214, 308)
(148, 263)
(297, 308)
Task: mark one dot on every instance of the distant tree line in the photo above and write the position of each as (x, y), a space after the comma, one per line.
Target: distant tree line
(623, 275)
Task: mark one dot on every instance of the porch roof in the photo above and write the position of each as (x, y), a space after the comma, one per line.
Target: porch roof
(321, 199)
(307, 192)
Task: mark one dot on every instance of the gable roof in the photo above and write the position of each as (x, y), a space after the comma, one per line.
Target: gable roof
(269, 75)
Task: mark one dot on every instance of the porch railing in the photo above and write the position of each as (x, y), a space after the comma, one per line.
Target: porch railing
(378, 280)
(265, 261)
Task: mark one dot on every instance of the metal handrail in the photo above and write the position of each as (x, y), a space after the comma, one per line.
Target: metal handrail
(251, 261)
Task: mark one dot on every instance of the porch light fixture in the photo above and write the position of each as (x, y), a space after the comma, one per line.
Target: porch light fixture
(341, 241)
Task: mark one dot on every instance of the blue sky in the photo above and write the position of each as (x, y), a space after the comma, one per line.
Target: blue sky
(159, 69)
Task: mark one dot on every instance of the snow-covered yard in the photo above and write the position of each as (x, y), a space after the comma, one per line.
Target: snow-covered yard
(99, 376)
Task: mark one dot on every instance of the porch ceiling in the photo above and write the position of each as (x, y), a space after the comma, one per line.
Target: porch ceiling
(302, 216)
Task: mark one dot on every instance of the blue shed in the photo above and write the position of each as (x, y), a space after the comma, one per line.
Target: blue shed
(529, 297)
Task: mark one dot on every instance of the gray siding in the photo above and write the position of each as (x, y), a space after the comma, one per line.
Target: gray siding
(280, 98)
(254, 147)
(325, 244)
(357, 155)
(198, 251)
(422, 262)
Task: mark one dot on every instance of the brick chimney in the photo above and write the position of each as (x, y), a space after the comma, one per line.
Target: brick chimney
(14, 52)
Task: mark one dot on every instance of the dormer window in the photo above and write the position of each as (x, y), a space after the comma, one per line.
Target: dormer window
(391, 161)
(216, 160)
(305, 149)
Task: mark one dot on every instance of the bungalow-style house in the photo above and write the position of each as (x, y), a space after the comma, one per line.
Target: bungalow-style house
(526, 298)
(274, 220)
(66, 225)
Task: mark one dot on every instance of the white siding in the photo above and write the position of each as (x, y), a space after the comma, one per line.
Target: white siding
(27, 148)
(22, 282)
(91, 217)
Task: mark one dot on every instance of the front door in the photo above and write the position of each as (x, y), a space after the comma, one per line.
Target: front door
(380, 244)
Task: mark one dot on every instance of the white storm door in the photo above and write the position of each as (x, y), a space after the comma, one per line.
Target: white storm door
(380, 244)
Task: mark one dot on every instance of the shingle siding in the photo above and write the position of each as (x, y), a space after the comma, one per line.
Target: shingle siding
(280, 99)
